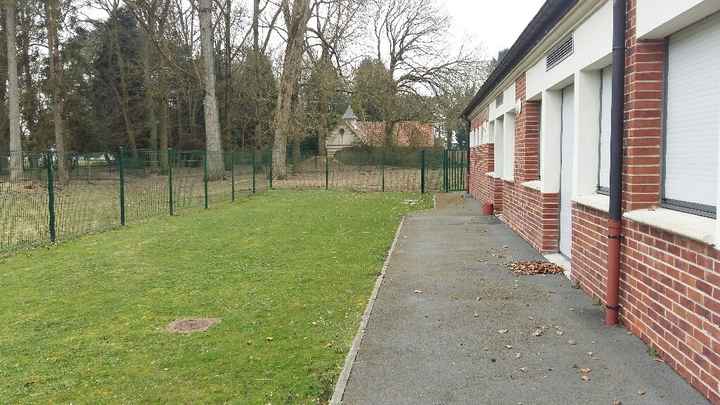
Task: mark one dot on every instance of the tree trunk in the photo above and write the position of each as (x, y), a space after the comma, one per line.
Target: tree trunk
(151, 118)
(212, 119)
(288, 82)
(124, 97)
(55, 75)
(16, 156)
(29, 103)
(228, 73)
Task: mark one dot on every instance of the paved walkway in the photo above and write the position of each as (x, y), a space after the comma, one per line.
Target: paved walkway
(467, 337)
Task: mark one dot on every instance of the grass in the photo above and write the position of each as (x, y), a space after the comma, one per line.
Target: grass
(289, 273)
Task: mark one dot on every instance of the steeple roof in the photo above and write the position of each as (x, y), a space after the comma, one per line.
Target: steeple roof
(349, 114)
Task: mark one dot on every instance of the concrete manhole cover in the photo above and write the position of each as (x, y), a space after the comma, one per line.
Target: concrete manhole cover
(191, 325)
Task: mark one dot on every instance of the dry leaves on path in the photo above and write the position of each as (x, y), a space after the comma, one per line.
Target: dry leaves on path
(532, 268)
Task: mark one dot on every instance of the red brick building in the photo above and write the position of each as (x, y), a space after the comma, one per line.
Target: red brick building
(541, 136)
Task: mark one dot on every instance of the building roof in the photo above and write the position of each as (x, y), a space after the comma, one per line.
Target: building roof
(544, 21)
(349, 114)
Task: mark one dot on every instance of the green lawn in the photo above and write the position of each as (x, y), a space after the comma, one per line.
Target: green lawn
(289, 273)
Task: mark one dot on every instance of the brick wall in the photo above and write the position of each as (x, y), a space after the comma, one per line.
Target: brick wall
(589, 250)
(670, 298)
(533, 215)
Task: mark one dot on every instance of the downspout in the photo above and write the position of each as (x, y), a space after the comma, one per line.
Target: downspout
(467, 177)
(616, 162)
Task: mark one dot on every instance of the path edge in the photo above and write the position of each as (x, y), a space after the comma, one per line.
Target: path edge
(344, 377)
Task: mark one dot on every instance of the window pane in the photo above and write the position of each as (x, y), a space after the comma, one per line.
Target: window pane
(693, 124)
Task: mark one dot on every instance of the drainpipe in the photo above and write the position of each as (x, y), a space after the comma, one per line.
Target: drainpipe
(616, 162)
(467, 177)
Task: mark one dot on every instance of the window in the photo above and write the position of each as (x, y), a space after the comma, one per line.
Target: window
(605, 126)
(692, 123)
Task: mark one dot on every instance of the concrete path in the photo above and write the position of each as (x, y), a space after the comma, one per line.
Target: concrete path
(448, 344)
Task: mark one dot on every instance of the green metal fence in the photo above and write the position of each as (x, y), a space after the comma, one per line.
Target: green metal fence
(56, 198)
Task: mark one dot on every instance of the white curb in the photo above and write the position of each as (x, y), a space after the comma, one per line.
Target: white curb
(357, 340)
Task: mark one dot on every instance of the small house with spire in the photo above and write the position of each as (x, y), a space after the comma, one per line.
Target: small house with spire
(350, 132)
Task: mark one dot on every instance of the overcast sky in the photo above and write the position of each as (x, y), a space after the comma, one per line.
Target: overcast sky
(494, 24)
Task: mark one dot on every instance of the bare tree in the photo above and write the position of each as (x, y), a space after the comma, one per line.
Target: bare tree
(16, 157)
(54, 18)
(411, 39)
(296, 21)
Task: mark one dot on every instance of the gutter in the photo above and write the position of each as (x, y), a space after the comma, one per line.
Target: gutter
(616, 163)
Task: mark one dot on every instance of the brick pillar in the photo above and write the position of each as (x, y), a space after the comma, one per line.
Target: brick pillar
(644, 81)
(527, 136)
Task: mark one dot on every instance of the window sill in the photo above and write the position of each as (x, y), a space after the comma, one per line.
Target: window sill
(595, 201)
(691, 226)
(533, 185)
(493, 175)
(509, 179)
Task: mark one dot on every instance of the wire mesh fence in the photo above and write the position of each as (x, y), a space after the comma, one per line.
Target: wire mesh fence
(45, 197)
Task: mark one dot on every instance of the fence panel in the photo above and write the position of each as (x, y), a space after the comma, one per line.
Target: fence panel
(85, 191)
(145, 176)
(188, 179)
(23, 201)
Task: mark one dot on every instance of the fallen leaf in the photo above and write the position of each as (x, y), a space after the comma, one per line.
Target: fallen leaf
(538, 332)
(502, 331)
(585, 370)
(517, 355)
(523, 369)
(418, 291)
(269, 338)
(585, 378)
(641, 392)
(572, 342)
(508, 346)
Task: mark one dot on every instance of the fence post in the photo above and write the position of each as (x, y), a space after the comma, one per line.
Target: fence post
(422, 171)
(232, 176)
(205, 177)
(51, 196)
(254, 169)
(327, 172)
(171, 163)
(382, 169)
(121, 170)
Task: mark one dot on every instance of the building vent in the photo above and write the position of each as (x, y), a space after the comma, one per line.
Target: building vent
(560, 53)
(499, 99)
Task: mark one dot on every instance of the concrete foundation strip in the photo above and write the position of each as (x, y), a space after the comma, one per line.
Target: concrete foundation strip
(357, 340)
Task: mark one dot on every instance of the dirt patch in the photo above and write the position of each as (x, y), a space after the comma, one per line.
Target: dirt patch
(191, 325)
(444, 200)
